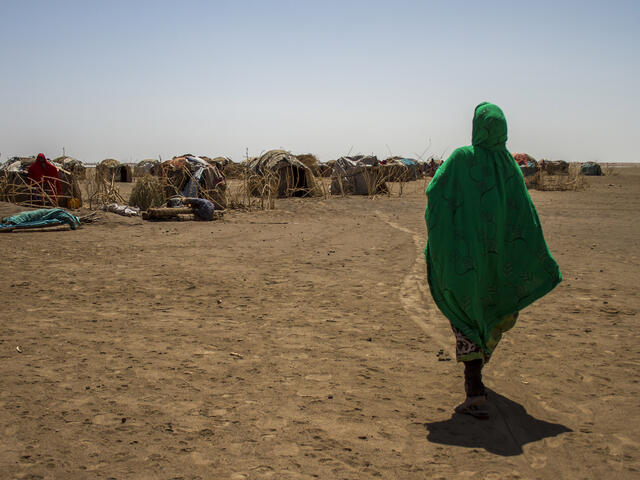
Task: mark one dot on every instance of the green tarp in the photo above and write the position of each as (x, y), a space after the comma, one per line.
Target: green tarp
(43, 217)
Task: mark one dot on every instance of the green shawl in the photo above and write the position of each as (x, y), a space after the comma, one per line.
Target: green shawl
(486, 254)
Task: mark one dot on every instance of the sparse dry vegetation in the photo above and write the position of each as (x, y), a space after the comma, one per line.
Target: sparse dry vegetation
(148, 192)
(101, 189)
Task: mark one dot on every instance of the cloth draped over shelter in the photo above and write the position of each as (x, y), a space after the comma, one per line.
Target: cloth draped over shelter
(528, 165)
(191, 176)
(42, 188)
(358, 175)
(399, 169)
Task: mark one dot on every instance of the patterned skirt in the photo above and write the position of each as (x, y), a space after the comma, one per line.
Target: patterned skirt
(466, 350)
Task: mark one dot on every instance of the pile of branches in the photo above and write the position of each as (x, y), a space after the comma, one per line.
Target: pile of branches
(148, 192)
(102, 189)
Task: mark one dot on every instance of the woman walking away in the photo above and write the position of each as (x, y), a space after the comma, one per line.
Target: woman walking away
(486, 255)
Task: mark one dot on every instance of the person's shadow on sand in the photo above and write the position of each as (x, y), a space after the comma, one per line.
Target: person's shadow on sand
(507, 430)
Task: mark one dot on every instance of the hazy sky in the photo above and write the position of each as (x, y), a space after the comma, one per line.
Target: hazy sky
(138, 79)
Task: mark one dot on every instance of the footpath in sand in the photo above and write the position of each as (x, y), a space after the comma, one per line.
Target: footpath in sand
(303, 343)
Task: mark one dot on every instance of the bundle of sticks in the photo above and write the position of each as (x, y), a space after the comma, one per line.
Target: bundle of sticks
(167, 213)
(174, 213)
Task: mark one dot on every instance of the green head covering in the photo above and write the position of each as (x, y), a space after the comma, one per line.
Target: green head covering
(486, 254)
(489, 127)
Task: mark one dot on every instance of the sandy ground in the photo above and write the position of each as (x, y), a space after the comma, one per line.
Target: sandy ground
(303, 343)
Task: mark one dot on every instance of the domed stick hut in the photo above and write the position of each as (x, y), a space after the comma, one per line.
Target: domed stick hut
(73, 165)
(149, 166)
(399, 169)
(111, 169)
(191, 176)
(282, 174)
(359, 175)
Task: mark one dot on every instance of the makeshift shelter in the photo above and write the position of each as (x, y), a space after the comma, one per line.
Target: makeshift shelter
(357, 176)
(554, 167)
(16, 187)
(234, 170)
(219, 162)
(591, 169)
(528, 165)
(311, 161)
(191, 176)
(282, 174)
(149, 166)
(15, 164)
(73, 165)
(324, 169)
(113, 169)
(398, 169)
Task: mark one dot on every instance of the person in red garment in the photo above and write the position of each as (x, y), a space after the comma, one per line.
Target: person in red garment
(44, 173)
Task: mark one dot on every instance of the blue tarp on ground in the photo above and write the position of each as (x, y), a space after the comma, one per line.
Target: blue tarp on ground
(44, 217)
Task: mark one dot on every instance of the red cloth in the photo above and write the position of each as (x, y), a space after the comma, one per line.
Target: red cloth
(44, 172)
(521, 158)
